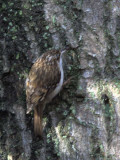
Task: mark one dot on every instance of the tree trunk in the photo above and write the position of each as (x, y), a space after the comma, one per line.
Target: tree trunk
(83, 121)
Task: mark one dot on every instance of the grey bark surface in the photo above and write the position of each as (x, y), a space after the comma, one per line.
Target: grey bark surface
(83, 121)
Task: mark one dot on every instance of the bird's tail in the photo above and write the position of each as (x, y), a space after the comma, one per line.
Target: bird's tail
(38, 113)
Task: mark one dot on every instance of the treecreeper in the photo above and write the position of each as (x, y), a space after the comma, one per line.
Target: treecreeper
(44, 82)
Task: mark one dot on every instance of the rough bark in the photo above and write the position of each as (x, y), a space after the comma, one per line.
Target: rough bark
(83, 121)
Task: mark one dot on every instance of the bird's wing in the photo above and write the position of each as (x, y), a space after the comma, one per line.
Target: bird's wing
(42, 78)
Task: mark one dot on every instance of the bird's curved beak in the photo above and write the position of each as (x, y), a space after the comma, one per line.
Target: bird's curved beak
(29, 109)
(63, 51)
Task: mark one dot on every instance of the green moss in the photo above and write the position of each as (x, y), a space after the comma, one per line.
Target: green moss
(109, 113)
(97, 148)
(106, 92)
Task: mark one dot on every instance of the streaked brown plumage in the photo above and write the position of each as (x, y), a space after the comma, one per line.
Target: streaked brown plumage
(44, 82)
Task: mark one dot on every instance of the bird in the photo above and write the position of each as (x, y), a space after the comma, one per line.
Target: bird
(44, 82)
